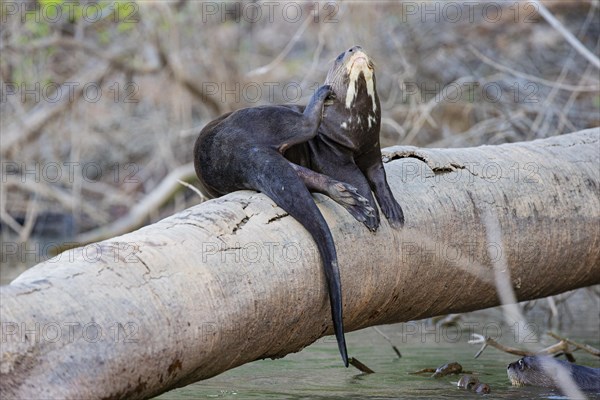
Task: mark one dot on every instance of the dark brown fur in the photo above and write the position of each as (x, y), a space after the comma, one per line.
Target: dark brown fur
(543, 371)
(287, 152)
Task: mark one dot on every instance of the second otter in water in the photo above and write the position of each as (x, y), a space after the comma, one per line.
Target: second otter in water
(330, 146)
(545, 371)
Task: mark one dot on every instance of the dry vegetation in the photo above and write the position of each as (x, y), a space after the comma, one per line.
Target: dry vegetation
(74, 159)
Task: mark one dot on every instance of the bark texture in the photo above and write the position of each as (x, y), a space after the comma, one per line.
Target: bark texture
(235, 279)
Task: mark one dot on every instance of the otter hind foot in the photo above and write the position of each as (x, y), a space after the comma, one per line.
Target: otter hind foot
(347, 196)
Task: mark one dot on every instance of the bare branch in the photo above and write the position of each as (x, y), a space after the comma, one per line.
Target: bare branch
(577, 45)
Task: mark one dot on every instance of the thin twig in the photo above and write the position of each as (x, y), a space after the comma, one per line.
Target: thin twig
(59, 195)
(560, 347)
(194, 189)
(584, 347)
(573, 41)
(487, 341)
(40, 116)
(138, 213)
(532, 78)
(383, 335)
(266, 68)
(30, 218)
(360, 366)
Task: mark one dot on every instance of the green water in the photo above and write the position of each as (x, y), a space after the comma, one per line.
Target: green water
(316, 372)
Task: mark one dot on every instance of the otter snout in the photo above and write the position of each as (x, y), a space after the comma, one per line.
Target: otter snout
(352, 76)
(358, 58)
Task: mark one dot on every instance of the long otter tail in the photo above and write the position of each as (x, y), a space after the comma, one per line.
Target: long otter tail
(288, 191)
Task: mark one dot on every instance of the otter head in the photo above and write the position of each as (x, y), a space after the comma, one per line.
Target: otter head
(518, 372)
(352, 78)
(535, 370)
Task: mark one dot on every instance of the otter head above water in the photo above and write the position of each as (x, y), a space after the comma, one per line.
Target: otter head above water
(546, 371)
(352, 78)
(529, 371)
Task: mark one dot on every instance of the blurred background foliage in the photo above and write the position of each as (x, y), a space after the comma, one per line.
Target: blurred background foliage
(102, 99)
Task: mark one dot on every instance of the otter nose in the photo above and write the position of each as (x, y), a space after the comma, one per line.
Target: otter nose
(355, 48)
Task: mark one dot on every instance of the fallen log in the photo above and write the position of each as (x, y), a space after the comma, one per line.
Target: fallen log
(235, 279)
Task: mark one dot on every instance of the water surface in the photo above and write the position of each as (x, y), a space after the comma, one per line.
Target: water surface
(317, 373)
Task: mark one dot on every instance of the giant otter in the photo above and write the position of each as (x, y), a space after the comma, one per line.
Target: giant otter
(544, 371)
(330, 146)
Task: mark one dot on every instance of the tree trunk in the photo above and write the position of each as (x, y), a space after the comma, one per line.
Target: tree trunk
(235, 279)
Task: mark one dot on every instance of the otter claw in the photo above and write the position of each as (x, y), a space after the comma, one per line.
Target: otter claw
(357, 205)
(393, 212)
(372, 223)
(330, 97)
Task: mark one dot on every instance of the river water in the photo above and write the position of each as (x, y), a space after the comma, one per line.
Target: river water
(317, 372)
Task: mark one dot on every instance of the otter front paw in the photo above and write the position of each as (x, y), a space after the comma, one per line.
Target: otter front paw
(393, 212)
(325, 92)
(330, 99)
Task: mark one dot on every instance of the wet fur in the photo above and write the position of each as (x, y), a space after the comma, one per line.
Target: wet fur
(539, 371)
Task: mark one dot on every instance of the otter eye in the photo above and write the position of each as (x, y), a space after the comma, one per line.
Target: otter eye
(521, 363)
(340, 57)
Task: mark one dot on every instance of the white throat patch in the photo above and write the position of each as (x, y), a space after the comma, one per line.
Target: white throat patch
(356, 65)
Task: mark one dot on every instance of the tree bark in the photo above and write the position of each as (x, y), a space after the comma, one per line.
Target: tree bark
(235, 279)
